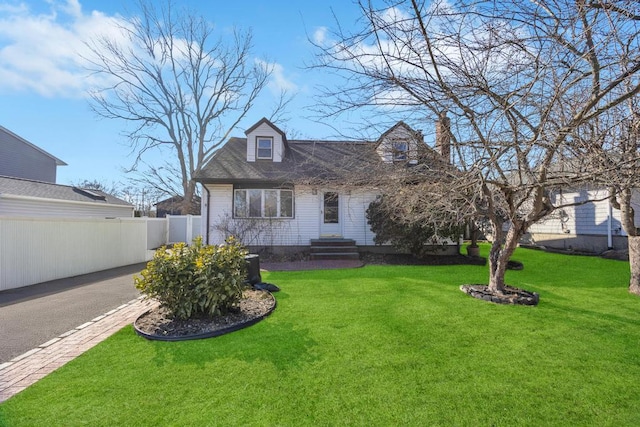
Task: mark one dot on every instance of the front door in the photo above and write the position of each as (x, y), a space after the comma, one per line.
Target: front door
(330, 225)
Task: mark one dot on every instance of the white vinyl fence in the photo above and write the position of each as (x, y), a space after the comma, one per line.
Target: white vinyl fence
(183, 228)
(35, 250)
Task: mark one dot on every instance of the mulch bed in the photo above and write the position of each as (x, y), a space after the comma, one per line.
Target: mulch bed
(157, 324)
(510, 295)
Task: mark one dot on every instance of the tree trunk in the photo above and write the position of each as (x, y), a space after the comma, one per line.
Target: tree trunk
(623, 202)
(187, 202)
(634, 264)
(500, 254)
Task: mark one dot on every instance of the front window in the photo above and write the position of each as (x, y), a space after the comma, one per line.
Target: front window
(400, 151)
(265, 148)
(263, 203)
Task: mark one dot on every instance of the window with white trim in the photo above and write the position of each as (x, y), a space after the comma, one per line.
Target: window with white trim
(400, 151)
(264, 147)
(262, 203)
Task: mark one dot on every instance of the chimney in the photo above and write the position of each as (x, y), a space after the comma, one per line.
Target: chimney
(443, 136)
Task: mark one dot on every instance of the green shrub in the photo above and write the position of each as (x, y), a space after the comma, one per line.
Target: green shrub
(392, 225)
(195, 280)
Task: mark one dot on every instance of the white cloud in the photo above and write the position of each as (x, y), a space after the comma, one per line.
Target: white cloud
(43, 52)
(278, 82)
(320, 36)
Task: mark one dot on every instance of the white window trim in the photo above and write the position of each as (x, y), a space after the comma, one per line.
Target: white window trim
(265, 138)
(262, 203)
(399, 155)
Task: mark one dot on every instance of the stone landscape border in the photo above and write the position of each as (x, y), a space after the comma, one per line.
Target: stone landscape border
(511, 295)
(211, 334)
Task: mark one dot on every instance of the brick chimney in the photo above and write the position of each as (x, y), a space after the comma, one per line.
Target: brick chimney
(443, 136)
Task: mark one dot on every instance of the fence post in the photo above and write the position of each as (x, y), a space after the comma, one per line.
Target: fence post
(168, 228)
(189, 234)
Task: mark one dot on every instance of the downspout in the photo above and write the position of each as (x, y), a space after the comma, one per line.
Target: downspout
(208, 208)
(609, 226)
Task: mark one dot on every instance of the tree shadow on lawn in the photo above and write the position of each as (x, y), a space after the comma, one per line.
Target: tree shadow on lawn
(283, 345)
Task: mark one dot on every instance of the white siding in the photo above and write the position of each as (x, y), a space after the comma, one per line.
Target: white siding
(589, 219)
(220, 203)
(289, 232)
(36, 250)
(263, 232)
(251, 149)
(355, 218)
(34, 207)
(265, 130)
(385, 148)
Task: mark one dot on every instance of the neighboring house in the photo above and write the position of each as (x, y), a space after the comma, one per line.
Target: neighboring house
(21, 159)
(21, 197)
(594, 226)
(173, 206)
(264, 188)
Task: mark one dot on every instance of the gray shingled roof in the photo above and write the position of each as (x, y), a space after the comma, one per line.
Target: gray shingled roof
(46, 190)
(305, 162)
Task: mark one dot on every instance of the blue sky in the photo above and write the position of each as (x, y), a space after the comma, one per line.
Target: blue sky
(43, 82)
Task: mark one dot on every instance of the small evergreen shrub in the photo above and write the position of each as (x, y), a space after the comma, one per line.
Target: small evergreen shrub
(195, 280)
(392, 226)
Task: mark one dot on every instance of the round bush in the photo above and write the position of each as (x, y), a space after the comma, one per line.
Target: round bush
(195, 280)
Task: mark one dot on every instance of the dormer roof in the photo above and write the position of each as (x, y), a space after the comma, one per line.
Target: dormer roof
(266, 121)
(394, 128)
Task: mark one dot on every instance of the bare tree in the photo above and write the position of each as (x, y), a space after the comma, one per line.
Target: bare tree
(615, 162)
(113, 189)
(517, 79)
(178, 88)
(625, 182)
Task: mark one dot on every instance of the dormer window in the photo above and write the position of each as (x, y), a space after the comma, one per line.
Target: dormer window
(264, 148)
(400, 151)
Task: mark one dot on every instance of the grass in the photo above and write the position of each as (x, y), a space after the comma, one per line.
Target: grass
(380, 345)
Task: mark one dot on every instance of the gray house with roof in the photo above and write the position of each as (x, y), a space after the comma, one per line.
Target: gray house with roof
(286, 195)
(28, 186)
(21, 159)
(21, 197)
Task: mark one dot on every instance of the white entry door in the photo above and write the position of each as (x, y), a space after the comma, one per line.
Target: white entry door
(330, 215)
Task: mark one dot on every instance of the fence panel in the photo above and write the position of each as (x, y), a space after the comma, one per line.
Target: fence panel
(156, 232)
(183, 228)
(35, 250)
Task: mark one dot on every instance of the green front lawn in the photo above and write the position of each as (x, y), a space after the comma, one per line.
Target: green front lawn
(380, 345)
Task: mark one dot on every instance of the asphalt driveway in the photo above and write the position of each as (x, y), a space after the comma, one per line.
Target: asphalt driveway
(35, 314)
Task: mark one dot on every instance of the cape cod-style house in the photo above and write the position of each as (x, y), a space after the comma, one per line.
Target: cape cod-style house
(276, 193)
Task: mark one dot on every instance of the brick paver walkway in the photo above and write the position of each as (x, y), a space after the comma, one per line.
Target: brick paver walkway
(26, 369)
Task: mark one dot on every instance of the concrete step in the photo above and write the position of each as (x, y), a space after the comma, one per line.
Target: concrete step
(335, 255)
(328, 249)
(333, 242)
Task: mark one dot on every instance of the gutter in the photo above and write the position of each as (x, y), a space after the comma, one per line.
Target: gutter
(71, 202)
(610, 226)
(208, 216)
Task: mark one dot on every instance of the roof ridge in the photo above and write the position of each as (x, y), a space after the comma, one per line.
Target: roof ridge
(18, 178)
